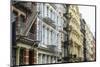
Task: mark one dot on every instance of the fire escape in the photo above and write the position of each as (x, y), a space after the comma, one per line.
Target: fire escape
(67, 39)
(22, 33)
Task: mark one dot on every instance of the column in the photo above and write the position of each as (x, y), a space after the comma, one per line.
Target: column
(41, 58)
(56, 59)
(53, 61)
(17, 55)
(35, 56)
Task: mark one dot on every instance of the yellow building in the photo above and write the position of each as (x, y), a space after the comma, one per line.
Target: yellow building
(75, 36)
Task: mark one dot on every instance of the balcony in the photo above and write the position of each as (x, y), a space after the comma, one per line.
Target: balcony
(31, 36)
(29, 39)
(49, 21)
(52, 48)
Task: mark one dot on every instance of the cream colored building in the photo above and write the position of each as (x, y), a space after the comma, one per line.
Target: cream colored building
(75, 35)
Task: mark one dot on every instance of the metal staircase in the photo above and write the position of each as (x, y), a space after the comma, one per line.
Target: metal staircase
(29, 23)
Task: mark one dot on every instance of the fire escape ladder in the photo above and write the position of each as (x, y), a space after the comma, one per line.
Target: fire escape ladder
(30, 22)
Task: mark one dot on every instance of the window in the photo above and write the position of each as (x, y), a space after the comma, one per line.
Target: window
(43, 9)
(51, 37)
(43, 59)
(38, 7)
(39, 58)
(45, 35)
(57, 21)
(47, 11)
(51, 14)
(43, 38)
(57, 39)
(48, 36)
(39, 30)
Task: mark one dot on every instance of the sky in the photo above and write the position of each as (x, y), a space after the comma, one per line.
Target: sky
(88, 13)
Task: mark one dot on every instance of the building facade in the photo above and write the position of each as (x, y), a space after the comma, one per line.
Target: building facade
(48, 33)
(49, 50)
(38, 32)
(83, 24)
(88, 42)
(94, 49)
(75, 37)
(23, 18)
(89, 45)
